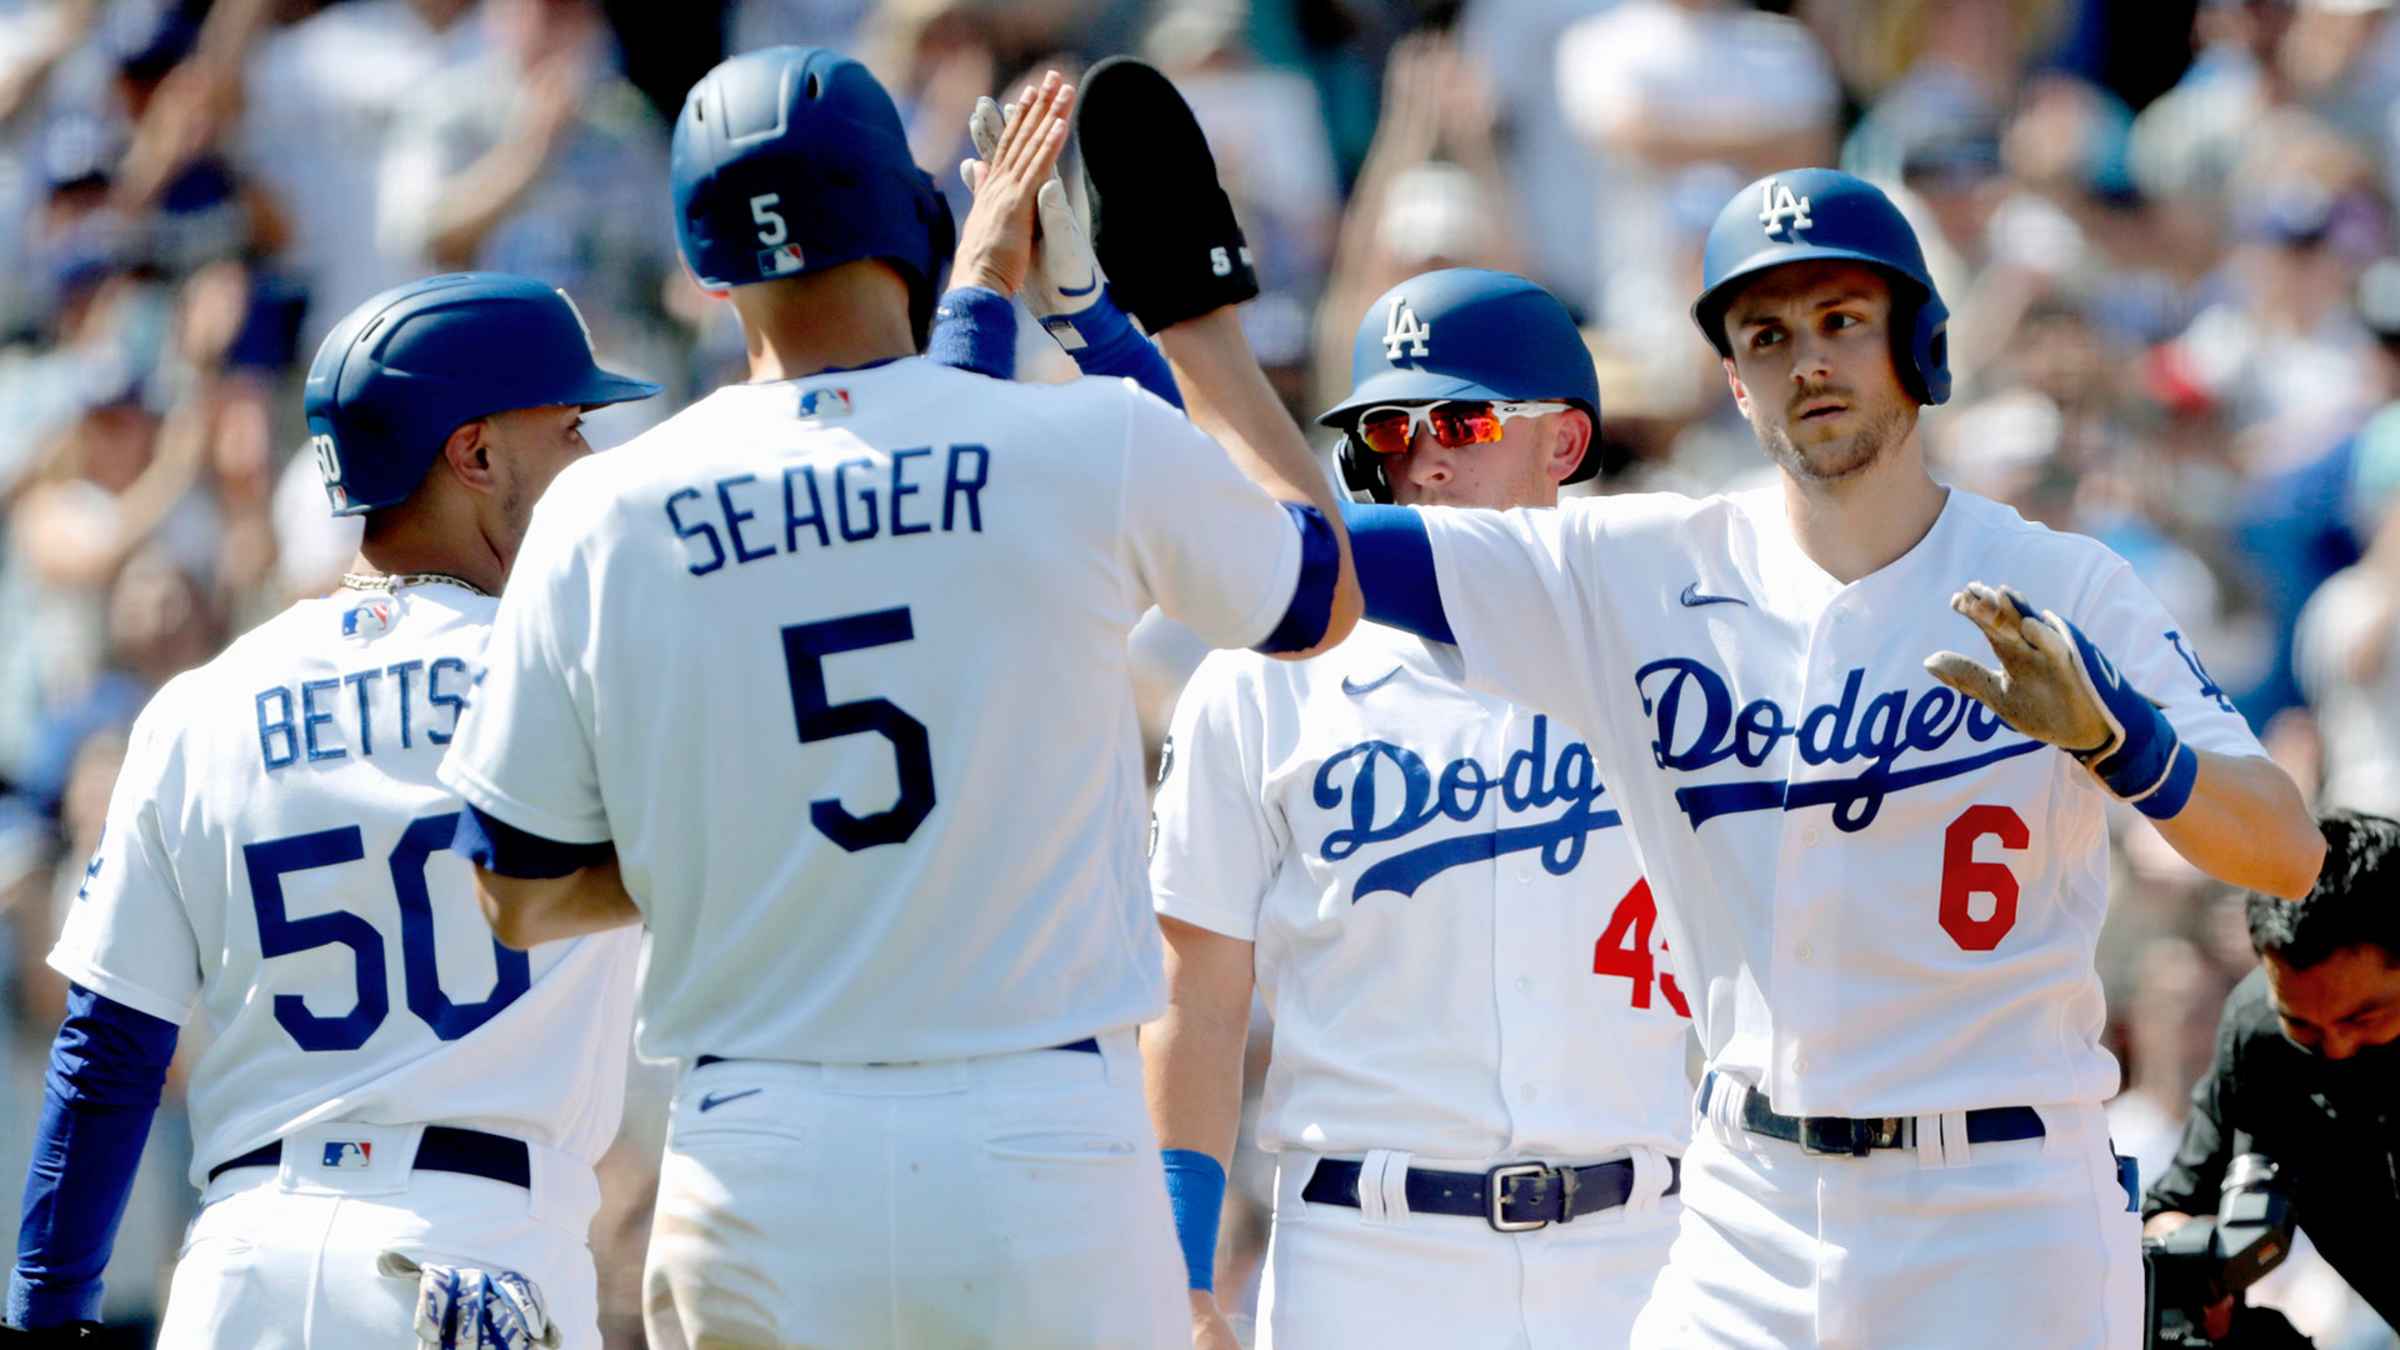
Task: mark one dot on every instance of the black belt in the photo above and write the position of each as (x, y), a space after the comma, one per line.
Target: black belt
(1512, 1198)
(445, 1148)
(1089, 1045)
(1860, 1135)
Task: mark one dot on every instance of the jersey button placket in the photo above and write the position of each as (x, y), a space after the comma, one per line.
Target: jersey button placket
(1809, 892)
(1515, 1015)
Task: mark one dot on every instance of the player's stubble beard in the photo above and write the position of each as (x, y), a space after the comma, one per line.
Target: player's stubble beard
(1837, 460)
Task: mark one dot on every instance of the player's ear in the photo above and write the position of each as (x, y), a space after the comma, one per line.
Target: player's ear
(1571, 443)
(1733, 381)
(468, 452)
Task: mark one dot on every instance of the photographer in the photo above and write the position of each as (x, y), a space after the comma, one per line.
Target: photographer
(2307, 1068)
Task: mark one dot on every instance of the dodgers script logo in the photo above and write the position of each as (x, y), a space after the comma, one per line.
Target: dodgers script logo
(1362, 775)
(1699, 727)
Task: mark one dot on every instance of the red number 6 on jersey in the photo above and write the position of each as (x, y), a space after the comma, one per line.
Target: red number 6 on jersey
(1964, 876)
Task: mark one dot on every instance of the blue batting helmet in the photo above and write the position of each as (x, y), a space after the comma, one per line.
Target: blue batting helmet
(1800, 214)
(401, 372)
(1462, 333)
(790, 160)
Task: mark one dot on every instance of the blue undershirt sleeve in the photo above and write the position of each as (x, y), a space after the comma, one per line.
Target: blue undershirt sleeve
(1394, 558)
(497, 846)
(1104, 342)
(107, 1069)
(975, 329)
(1304, 620)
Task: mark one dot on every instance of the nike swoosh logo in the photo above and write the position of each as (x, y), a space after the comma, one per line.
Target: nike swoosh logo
(1356, 690)
(1069, 290)
(711, 1101)
(1693, 598)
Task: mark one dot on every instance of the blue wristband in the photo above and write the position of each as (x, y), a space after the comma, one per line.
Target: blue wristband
(2174, 791)
(975, 328)
(1196, 1197)
(1104, 342)
(1311, 610)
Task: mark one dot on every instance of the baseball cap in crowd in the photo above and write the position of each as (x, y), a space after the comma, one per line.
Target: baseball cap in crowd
(148, 38)
(78, 150)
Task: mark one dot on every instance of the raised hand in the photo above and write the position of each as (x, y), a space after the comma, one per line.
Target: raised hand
(995, 246)
(2039, 688)
(1065, 277)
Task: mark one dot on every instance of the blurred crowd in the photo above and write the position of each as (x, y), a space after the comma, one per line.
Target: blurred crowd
(2166, 228)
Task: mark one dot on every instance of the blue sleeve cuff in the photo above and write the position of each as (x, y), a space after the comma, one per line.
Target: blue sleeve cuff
(107, 1069)
(1104, 342)
(1305, 619)
(1196, 1197)
(2174, 790)
(1394, 558)
(975, 329)
(497, 846)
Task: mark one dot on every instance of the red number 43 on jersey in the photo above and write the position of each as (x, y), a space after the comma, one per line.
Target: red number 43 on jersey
(1625, 949)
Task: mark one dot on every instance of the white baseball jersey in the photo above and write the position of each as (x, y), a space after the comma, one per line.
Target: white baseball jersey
(1890, 901)
(277, 856)
(1452, 928)
(839, 664)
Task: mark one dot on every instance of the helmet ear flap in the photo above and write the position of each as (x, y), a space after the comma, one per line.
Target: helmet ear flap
(941, 240)
(1921, 348)
(1362, 470)
(1930, 339)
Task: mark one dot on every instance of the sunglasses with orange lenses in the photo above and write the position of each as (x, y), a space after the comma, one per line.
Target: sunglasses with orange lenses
(1391, 428)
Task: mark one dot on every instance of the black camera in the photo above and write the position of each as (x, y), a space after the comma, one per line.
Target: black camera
(2214, 1258)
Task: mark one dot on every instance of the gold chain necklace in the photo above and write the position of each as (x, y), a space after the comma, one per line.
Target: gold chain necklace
(393, 581)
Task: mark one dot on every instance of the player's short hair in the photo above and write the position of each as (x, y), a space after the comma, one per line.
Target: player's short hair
(2355, 903)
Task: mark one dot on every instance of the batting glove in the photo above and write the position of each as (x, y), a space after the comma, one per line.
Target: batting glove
(1065, 280)
(469, 1308)
(2056, 686)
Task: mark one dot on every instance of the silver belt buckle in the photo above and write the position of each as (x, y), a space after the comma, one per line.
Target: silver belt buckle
(1495, 1195)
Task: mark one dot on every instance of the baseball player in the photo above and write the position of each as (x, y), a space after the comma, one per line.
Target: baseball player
(824, 681)
(1886, 888)
(1291, 849)
(1477, 1098)
(395, 1119)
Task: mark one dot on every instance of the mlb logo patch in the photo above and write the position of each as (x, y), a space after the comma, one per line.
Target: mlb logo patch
(782, 260)
(348, 1155)
(825, 403)
(370, 619)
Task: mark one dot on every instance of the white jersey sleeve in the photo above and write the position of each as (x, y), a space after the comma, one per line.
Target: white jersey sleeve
(2127, 622)
(523, 752)
(1209, 547)
(1216, 842)
(128, 936)
(1516, 587)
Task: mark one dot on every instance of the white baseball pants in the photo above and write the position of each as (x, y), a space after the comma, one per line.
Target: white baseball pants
(284, 1258)
(1999, 1245)
(1013, 1200)
(1375, 1279)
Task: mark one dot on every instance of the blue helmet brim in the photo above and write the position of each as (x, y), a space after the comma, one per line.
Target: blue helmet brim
(606, 387)
(1709, 310)
(1410, 386)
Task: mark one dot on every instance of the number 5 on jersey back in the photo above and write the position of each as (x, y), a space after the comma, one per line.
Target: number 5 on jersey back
(805, 647)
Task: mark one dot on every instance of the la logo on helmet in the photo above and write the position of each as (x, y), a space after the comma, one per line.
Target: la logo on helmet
(1402, 328)
(1781, 210)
